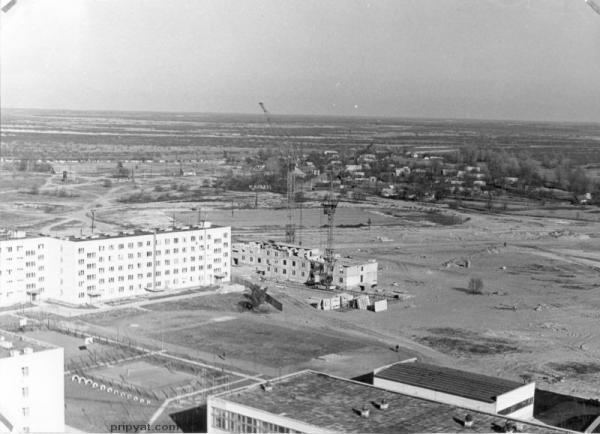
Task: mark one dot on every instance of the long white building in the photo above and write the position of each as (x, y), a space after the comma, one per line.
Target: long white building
(103, 267)
(32, 390)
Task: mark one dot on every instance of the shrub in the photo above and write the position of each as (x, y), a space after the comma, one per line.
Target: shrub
(476, 285)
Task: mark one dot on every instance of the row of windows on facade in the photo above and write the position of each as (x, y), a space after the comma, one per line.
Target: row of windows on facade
(239, 423)
(9, 294)
(167, 263)
(284, 261)
(150, 253)
(10, 258)
(167, 241)
(149, 274)
(27, 286)
(111, 269)
(19, 248)
(28, 275)
(28, 263)
(132, 287)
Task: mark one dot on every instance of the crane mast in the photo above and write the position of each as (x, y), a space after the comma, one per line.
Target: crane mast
(329, 207)
(290, 161)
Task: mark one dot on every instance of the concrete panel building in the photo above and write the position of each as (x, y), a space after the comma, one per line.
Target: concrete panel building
(103, 267)
(27, 267)
(31, 385)
(300, 264)
(460, 388)
(312, 402)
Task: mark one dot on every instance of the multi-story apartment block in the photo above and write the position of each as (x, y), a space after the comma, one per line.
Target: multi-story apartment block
(31, 385)
(27, 267)
(102, 267)
(282, 261)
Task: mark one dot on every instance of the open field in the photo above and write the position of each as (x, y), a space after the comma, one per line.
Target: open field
(71, 345)
(537, 317)
(265, 343)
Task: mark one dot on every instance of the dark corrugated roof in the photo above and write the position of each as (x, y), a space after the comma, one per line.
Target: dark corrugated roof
(331, 403)
(447, 380)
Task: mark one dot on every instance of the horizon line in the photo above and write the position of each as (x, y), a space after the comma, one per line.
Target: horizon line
(350, 116)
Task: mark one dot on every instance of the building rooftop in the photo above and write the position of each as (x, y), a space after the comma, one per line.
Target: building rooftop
(6, 235)
(334, 403)
(10, 343)
(453, 381)
(283, 245)
(139, 232)
(350, 262)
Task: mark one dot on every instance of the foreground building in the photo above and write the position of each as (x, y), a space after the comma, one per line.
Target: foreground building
(104, 267)
(31, 385)
(312, 402)
(461, 388)
(294, 263)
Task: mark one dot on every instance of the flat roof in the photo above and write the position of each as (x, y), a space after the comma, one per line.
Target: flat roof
(332, 403)
(287, 245)
(350, 262)
(20, 342)
(447, 380)
(139, 232)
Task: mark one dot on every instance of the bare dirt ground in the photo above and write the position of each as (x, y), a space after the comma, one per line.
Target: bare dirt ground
(538, 315)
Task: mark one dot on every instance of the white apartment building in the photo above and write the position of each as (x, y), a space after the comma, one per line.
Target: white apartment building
(27, 267)
(103, 267)
(32, 390)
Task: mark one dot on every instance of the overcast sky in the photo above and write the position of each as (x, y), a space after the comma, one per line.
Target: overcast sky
(497, 59)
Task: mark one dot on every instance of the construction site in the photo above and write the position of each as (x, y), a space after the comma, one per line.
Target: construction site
(532, 317)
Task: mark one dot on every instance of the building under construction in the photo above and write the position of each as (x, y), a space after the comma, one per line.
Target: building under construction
(301, 264)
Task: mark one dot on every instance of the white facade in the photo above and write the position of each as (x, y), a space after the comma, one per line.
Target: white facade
(105, 267)
(517, 403)
(27, 268)
(31, 386)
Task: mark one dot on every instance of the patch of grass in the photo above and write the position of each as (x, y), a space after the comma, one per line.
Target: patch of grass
(107, 318)
(261, 342)
(461, 342)
(218, 303)
(576, 368)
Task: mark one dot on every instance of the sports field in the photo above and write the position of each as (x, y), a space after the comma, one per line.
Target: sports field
(144, 375)
(262, 341)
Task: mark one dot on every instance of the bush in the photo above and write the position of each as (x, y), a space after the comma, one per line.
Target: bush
(476, 285)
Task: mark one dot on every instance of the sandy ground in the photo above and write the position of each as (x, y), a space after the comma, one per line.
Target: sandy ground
(538, 315)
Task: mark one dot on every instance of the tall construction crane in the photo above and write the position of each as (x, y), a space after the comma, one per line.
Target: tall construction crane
(290, 158)
(329, 207)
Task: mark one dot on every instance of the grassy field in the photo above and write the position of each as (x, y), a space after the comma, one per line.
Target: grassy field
(70, 344)
(262, 342)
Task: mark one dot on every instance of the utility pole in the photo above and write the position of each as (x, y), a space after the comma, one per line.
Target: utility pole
(93, 219)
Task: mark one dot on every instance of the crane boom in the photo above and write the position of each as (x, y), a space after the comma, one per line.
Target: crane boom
(290, 227)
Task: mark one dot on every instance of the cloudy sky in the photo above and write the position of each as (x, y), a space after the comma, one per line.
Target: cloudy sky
(498, 59)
